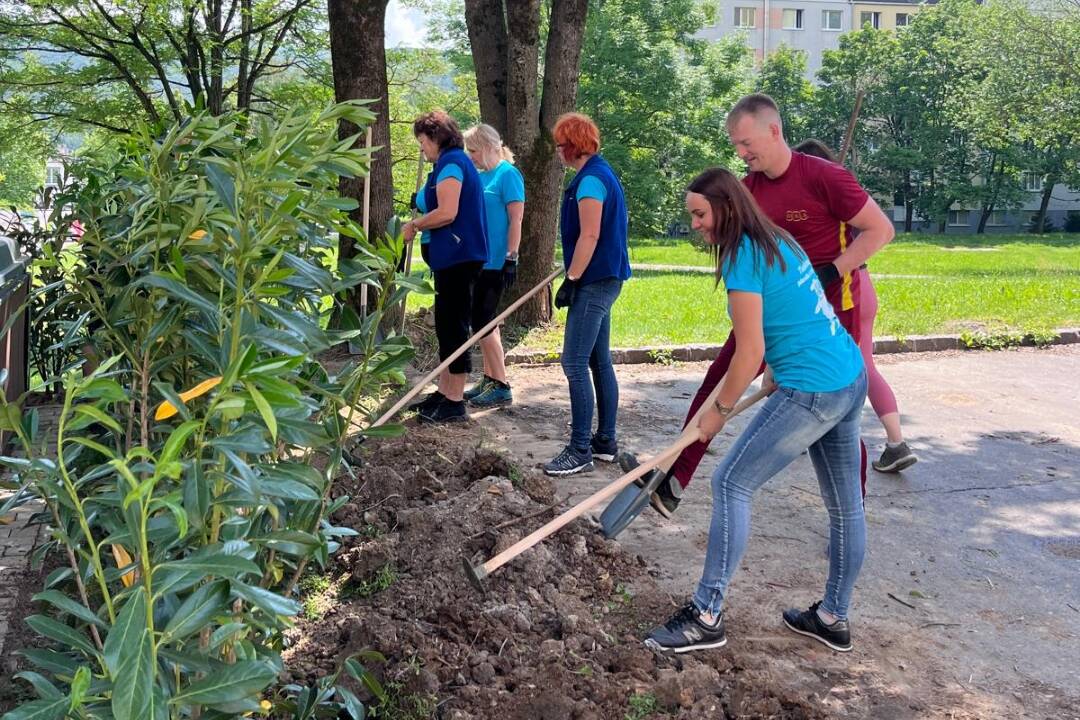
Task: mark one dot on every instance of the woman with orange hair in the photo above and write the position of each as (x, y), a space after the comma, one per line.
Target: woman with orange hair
(593, 227)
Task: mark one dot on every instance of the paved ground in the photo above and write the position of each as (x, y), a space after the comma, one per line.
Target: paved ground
(17, 539)
(969, 601)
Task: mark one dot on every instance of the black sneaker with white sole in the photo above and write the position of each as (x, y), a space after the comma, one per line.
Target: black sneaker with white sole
(809, 623)
(569, 462)
(685, 631)
(604, 448)
(895, 458)
(668, 494)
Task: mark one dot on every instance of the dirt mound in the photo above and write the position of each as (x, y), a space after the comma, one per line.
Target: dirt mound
(558, 632)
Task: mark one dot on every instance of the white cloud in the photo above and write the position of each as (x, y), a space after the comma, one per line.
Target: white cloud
(404, 26)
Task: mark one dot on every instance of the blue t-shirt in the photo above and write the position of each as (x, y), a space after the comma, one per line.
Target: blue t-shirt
(591, 187)
(450, 171)
(503, 185)
(805, 344)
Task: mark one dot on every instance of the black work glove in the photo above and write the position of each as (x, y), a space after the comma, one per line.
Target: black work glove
(412, 202)
(565, 297)
(509, 273)
(827, 274)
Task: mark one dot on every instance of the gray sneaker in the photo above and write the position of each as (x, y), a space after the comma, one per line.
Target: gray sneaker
(569, 462)
(895, 459)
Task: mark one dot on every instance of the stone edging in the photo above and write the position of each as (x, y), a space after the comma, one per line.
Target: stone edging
(700, 352)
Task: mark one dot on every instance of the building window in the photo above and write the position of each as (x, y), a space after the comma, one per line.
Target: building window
(832, 19)
(873, 19)
(1033, 181)
(792, 20)
(960, 217)
(997, 217)
(745, 17)
(902, 19)
(54, 175)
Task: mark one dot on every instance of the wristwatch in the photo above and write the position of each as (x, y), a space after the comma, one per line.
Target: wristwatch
(511, 256)
(722, 409)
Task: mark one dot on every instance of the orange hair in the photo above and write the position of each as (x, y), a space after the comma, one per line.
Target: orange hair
(579, 133)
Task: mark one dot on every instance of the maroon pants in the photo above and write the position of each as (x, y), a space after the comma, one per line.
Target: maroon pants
(690, 458)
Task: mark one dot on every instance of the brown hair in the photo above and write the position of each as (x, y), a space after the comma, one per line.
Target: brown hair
(441, 128)
(753, 104)
(813, 146)
(578, 132)
(736, 214)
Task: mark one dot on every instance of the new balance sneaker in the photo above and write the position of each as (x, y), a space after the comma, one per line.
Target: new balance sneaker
(447, 411)
(427, 402)
(479, 388)
(604, 448)
(665, 499)
(895, 458)
(496, 394)
(809, 623)
(569, 462)
(686, 631)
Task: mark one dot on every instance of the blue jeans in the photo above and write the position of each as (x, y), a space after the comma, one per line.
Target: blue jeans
(587, 347)
(790, 422)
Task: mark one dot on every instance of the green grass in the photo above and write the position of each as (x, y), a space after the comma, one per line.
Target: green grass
(990, 283)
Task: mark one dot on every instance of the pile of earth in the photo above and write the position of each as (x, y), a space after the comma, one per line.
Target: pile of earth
(557, 633)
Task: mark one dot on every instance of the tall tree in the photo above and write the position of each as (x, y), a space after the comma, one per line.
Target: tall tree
(505, 37)
(783, 77)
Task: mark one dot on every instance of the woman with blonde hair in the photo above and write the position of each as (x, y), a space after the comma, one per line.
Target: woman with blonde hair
(504, 206)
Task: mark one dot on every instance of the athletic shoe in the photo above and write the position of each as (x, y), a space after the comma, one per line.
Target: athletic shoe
(895, 459)
(479, 388)
(667, 496)
(427, 402)
(569, 462)
(604, 448)
(685, 632)
(495, 395)
(447, 411)
(809, 623)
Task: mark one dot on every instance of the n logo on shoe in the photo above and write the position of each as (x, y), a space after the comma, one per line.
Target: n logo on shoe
(692, 635)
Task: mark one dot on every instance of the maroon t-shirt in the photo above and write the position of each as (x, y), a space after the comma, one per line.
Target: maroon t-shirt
(814, 200)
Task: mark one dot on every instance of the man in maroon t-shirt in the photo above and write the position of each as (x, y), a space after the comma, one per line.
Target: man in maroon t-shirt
(820, 204)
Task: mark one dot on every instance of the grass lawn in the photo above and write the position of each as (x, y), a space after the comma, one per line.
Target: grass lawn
(994, 282)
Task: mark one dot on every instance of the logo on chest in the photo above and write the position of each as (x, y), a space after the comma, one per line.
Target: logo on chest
(796, 215)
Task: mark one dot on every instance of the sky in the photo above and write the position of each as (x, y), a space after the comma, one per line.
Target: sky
(404, 26)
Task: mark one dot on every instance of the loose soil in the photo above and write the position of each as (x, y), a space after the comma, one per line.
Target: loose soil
(557, 633)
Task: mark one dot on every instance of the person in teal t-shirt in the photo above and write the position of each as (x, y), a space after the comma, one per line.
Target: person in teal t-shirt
(504, 206)
(779, 313)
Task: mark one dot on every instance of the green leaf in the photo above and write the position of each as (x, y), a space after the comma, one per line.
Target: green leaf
(181, 292)
(270, 602)
(197, 610)
(40, 710)
(66, 635)
(288, 489)
(96, 414)
(65, 604)
(384, 431)
(50, 660)
(176, 440)
(219, 564)
(44, 687)
(223, 185)
(79, 685)
(353, 706)
(264, 409)
(95, 446)
(129, 659)
(103, 389)
(231, 684)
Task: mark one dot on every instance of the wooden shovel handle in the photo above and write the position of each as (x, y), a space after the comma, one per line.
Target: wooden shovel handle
(688, 437)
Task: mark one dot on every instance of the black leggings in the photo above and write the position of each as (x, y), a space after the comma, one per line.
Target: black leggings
(453, 311)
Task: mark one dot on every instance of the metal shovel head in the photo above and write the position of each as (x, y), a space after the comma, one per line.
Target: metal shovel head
(628, 504)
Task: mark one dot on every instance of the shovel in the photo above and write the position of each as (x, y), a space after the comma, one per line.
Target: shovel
(628, 504)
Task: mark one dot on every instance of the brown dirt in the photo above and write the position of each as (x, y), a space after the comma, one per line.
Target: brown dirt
(558, 632)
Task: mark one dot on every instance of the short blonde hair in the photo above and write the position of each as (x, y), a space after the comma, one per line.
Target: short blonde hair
(485, 140)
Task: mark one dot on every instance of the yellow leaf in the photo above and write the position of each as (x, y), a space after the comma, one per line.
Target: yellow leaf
(166, 410)
(266, 705)
(120, 554)
(197, 235)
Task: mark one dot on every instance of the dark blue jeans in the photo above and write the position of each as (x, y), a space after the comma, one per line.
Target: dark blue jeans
(587, 348)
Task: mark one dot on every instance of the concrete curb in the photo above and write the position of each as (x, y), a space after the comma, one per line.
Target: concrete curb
(698, 353)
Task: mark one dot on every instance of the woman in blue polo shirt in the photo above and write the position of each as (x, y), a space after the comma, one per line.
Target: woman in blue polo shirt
(778, 312)
(593, 227)
(457, 250)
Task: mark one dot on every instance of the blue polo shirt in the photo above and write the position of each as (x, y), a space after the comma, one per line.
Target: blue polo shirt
(503, 185)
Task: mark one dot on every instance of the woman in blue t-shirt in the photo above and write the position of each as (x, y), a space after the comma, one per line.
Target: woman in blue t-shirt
(453, 199)
(778, 312)
(504, 203)
(593, 229)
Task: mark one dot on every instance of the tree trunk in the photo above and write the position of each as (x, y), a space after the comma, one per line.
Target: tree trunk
(507, 86)
(358, 55)
(1048, 189)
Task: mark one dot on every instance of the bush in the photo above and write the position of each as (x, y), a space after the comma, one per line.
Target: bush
(189, 485)
(1072, 221)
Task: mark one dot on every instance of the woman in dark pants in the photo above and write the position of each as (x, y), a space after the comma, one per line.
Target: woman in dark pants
(454, 199)
(593, 226)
